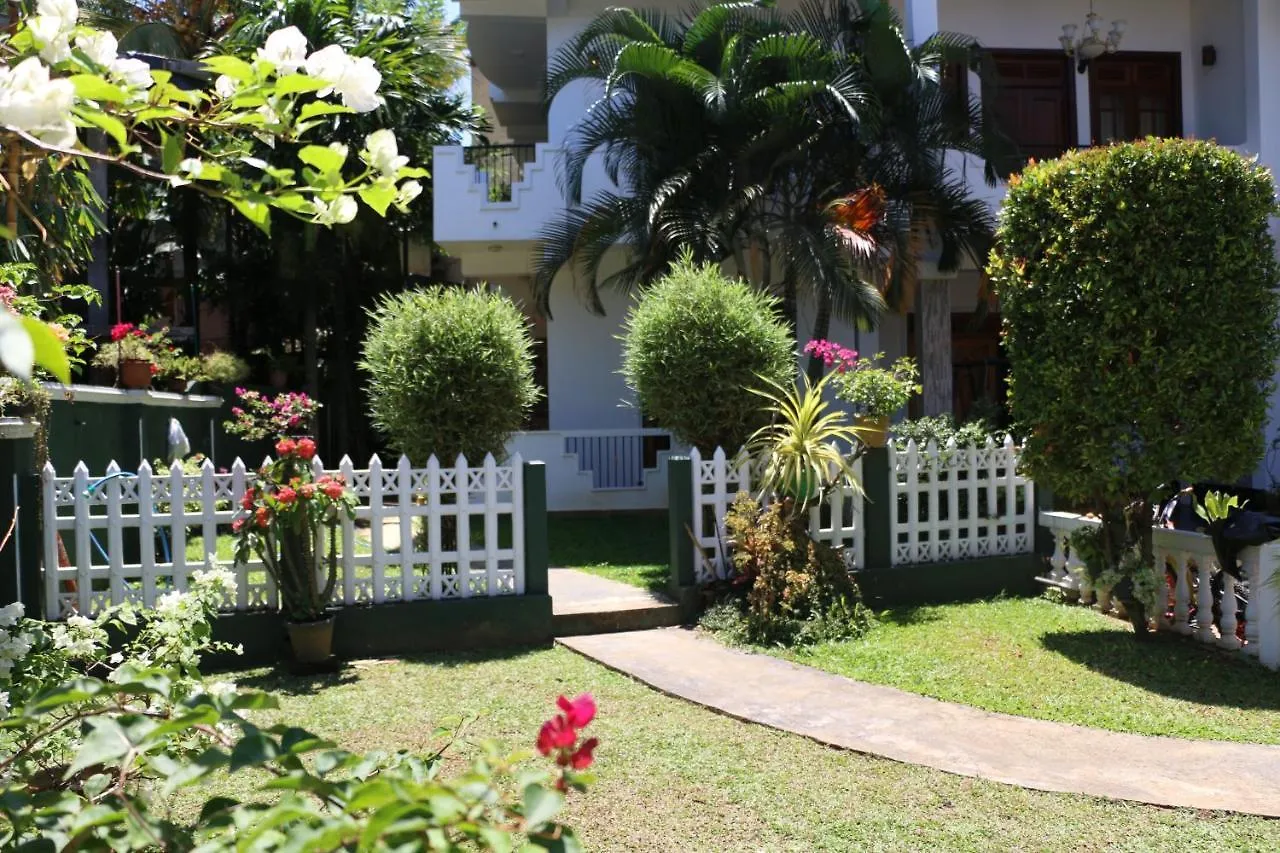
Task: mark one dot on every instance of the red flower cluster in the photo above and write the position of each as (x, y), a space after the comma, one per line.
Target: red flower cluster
(120, 331)
(303, 448)
(333, 486)
(559, 735)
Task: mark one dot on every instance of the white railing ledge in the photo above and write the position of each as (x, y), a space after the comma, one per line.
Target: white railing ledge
(16, 428)
(122, 396)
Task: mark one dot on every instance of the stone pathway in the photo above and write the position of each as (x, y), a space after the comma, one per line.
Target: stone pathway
(959, 739)
(584, 603)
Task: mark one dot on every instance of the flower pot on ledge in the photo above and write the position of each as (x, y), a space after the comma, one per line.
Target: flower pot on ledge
(135, 373)
(873, 431)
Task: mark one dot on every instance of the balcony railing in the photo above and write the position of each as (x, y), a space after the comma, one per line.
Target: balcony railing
(499, 167)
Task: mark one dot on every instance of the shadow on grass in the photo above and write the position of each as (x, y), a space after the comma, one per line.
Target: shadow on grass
(904, 616)
(1175, 667)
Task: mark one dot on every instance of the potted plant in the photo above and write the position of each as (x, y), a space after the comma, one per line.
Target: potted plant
(223, 369)
(129, 353)
(876, 393)
(289, 520)
(179, 371)
(799, 453)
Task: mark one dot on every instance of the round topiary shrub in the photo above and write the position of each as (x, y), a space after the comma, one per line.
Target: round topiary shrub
(1137, 286)
(694, 347)
(450, 371)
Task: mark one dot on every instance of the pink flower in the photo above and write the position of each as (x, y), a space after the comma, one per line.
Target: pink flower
(120, 331)
(580, 712)
(286, 495)
(556, 733)
(582, 758)
(286, 446)
(306, 448)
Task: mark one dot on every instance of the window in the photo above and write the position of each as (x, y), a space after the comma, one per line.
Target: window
(1033, 98)
(1135, 95)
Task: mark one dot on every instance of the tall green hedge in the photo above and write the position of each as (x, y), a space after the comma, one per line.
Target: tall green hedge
(1137, 285)
(695, 346)
(450, 371)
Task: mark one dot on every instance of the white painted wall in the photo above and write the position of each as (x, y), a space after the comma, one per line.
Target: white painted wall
(583, 358)
(570, 490)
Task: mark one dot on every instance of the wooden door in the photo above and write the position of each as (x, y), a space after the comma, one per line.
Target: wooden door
(1033, 97)
(1135, 95)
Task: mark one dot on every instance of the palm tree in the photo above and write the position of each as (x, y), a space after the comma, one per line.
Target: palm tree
(708, 126)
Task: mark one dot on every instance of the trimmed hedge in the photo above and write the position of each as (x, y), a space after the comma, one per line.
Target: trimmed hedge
(450, 371)
(1137, 286)
(695, 346)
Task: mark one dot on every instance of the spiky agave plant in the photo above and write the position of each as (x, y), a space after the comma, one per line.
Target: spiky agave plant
(800, 453)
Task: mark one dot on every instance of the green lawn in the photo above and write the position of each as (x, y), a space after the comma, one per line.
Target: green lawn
(627, 547)
(1035, 658)
(676, 777)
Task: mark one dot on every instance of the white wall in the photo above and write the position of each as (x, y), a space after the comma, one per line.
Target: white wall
(570, 489)
(1220, 90)
(583, 358)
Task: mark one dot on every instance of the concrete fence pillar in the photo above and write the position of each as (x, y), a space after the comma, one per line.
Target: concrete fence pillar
(536, 546)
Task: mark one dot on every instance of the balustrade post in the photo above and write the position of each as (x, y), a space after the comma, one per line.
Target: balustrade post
(1204, 601)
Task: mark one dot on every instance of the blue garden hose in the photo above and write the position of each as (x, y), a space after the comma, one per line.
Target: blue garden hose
(161, 534)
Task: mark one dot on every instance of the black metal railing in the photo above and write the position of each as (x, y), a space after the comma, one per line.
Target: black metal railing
(499, 167)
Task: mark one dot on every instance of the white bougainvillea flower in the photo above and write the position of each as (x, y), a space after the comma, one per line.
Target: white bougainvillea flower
(340, 211)
(382, 153)
(66, 11)
(100, 47)
(355, 78)
(409, 190)
(51, 28)
(32, 102)
(225, 86)
(286, 49)
(11, 614)
(133, 73)
(17, 352)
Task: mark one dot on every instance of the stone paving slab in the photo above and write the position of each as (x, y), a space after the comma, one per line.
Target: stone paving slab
(959, 739)
(573, 591)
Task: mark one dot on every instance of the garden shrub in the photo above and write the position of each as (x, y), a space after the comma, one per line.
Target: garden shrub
(1137, 285)
(694, 347)
(940, 429)
(798, 591)
(450, 371)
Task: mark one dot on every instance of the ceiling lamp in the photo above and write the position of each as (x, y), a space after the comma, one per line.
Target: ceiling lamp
(1091, 43)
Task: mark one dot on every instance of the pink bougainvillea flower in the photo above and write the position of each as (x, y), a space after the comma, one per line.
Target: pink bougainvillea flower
(237, 525)
(286, 495)
(555, 734)
(286, 446)
(585, 754)
(580, 712)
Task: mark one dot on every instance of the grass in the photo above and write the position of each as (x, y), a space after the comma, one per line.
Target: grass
(1035, 658)
(675, 777)
(627, 547)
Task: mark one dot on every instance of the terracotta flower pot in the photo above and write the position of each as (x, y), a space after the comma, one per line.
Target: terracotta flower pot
(135, 373)
(874, 432)
(312, 641)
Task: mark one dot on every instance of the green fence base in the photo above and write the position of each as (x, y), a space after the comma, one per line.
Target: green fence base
(943, 583)
(402, 628)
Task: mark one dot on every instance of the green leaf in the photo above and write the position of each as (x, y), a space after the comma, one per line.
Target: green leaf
(323, 158)
(298, 83)
(316, 109)
(171, 151)
(50, 354)
(254, 748)
(233, 67)
(379, 197)
(540, 805)
(254, 211)
(108, 123)
(91, 87)
(106, 742)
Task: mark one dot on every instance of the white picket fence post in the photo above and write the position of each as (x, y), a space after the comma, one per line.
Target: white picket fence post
(99, 519)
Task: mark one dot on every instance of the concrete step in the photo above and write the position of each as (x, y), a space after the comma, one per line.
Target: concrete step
(583, 603)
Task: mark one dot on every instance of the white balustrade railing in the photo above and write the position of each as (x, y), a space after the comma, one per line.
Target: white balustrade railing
(717, 482)
(959, 503)
(1191, 564)
(124, 536)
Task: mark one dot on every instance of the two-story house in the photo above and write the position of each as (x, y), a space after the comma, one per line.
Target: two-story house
(1183, 67)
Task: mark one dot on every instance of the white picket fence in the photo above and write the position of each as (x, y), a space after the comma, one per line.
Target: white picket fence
(126, 534)
(1191, 559)
(955, 503)
(718, 480)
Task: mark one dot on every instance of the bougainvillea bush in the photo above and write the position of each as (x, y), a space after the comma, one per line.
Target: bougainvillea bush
(92, 741)
(258, 416)
(1137, 286)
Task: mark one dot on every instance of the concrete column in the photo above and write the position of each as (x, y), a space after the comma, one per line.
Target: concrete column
(921, 19)
(933, 343)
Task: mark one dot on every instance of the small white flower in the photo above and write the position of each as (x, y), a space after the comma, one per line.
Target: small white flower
(383, 154)
(100, 46)
(225, 86)
(133, 73)
(171, 603)
(409, 190)
(339, 149)
(192, 167)
(286, 49)
(340, 211)
(116, 659)
(66, 12)
(51, 38)
(32, 102)
(217, 580)
(4, 702)
(356, 79)
(10, 614)
(79, 623)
